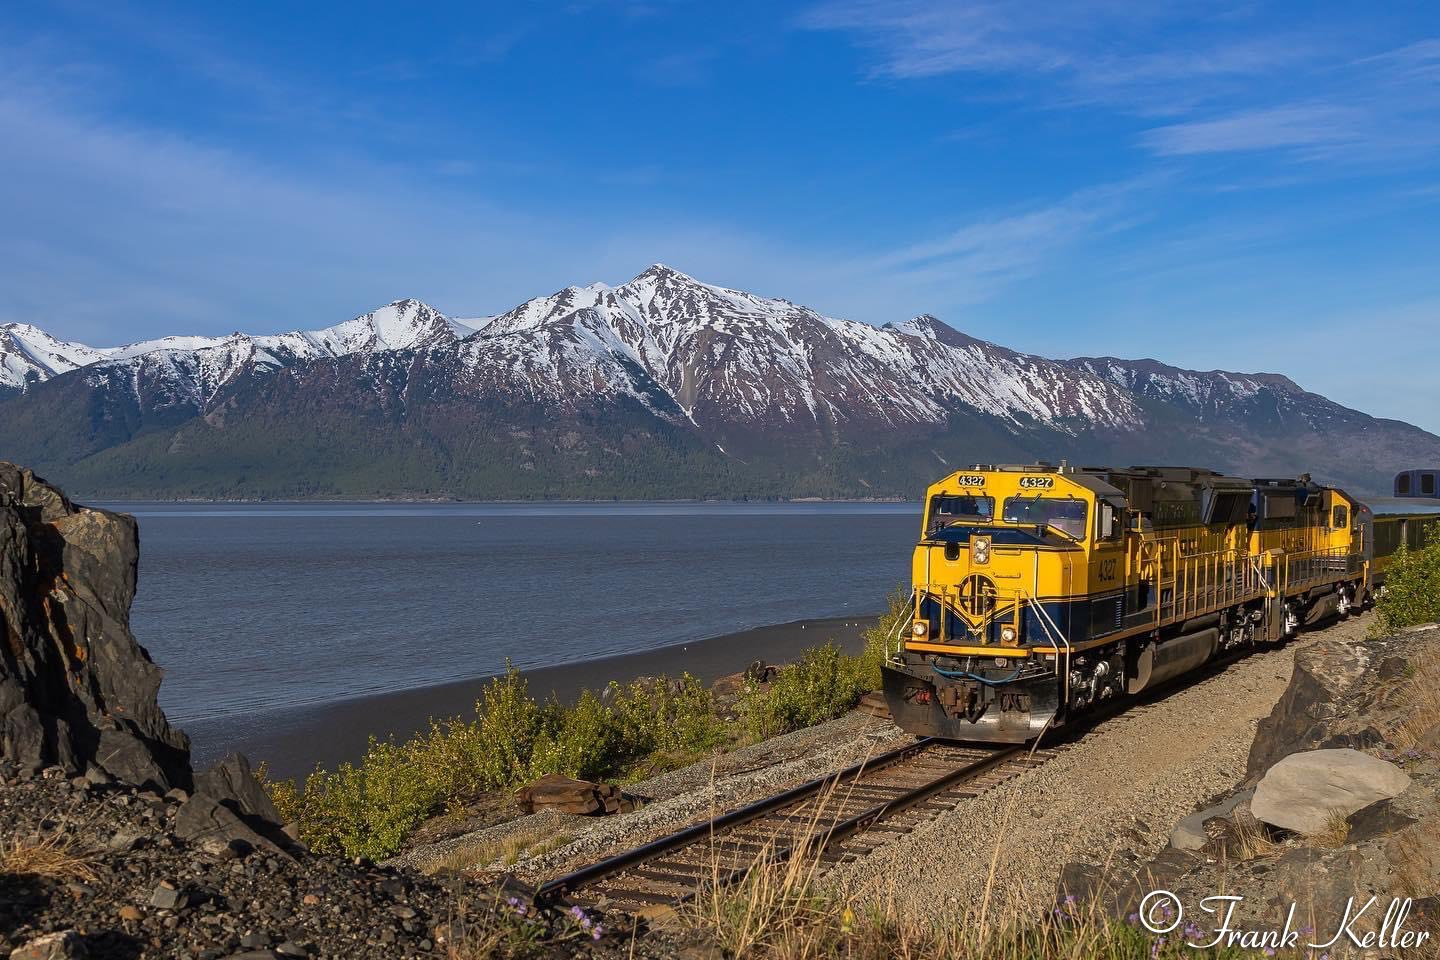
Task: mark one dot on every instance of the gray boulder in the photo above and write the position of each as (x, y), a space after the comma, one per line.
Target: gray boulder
(211, 825)
(76, 690)
(1305, 790)
(1189, 834)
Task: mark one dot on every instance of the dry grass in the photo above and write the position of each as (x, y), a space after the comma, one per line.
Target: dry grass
(782, 910)
(56, 857)
(1335, 832)
(1250, 840)
(505, 851)
(1421, 699)
(777, 914)
(774, 910)
(1415, 855)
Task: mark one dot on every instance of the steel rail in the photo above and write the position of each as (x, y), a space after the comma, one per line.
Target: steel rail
(586, 876)
(862, 821)
(835, 833)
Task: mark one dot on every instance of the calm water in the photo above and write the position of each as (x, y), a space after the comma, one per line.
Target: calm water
(257, 607)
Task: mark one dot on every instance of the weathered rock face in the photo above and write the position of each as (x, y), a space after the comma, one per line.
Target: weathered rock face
(1311, 714)
(1366, 704)
(75, 688)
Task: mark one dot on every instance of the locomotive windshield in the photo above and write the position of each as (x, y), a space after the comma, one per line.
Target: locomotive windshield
(945, 510)
(1068, 515)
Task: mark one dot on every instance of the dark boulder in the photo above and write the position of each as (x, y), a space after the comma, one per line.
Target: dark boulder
(230, 809)
(1306, 715)
(232, 782)
(76, 690)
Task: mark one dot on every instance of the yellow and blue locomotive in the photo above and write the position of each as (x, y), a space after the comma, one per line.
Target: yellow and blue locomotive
(1042, 591)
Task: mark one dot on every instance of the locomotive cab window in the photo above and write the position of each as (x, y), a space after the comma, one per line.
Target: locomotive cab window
(1108, 522)
(1341, 518)
(1402, 484)
(1067, 516)
(1427, 484)
(945, 510)
(1279, 506)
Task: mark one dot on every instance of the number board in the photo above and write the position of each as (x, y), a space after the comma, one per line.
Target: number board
(1036, 483)
(970, 480)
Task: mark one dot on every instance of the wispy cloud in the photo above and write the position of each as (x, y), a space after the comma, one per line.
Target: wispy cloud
(1383, 109)
(981, 258)
(1269, 128)
(1090, 51)
(116, 232)
(1233, 84)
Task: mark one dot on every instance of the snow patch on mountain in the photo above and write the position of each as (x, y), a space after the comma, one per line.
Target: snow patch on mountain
(30, 355)
(688, 350)
(729, 356)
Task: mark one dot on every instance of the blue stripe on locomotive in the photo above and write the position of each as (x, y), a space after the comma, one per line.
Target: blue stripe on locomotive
(1077, 619)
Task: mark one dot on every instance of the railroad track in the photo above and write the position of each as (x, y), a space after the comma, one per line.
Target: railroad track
(841, 816)
(838, 817)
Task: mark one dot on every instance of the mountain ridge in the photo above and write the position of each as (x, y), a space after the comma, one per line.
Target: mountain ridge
(603, 390)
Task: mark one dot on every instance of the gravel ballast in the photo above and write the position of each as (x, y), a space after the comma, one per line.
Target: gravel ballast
(1109, 799)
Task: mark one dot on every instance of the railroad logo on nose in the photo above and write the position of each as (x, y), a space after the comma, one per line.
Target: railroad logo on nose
(977, 596)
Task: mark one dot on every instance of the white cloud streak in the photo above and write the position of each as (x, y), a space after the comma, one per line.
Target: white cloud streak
(1270, 128)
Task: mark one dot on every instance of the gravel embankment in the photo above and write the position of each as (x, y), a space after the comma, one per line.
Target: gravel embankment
(133, 889)
(682, 797)
(1109, 799)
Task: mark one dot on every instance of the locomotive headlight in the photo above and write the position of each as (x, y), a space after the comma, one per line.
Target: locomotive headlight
(920, 629)
(1007, 634)
(980, 551)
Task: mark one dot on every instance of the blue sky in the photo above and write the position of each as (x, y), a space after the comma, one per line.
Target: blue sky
(1246, 186)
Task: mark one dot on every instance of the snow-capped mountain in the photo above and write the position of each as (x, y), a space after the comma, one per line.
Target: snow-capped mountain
(726, 357)
(661, 386)
(30, 355)
(194, 368)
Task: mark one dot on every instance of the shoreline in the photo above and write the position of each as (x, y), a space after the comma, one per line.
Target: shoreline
(294, 740)
(464, 500)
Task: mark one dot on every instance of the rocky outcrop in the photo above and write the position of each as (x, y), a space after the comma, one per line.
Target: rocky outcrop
(231, 810)
(76, 689)
(1309, 714)
(1355, 734)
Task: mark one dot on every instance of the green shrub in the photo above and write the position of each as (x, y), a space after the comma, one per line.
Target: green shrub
(881, 638)
(1412, 586)
(640, 728)
(820, 686)
(367, 809)
(824, 682)
(509, 722)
